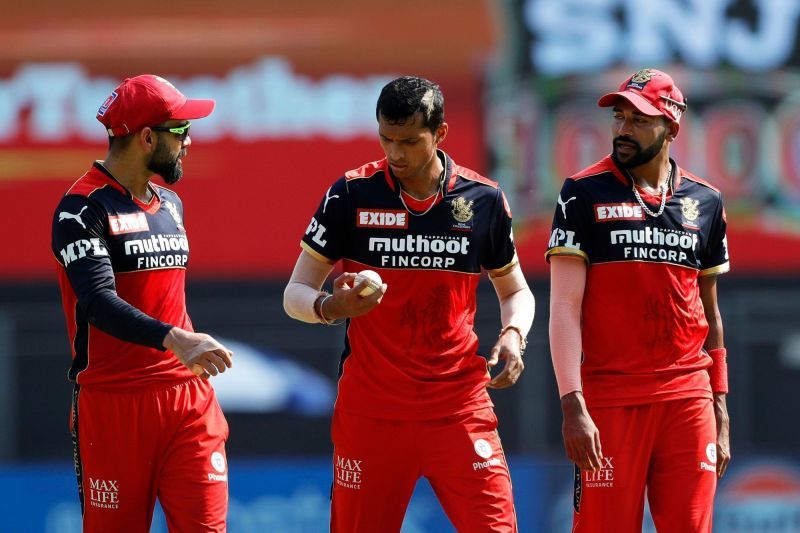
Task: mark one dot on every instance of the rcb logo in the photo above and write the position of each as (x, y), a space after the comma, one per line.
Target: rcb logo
(462, 210)
(689, 209)
(642, 76)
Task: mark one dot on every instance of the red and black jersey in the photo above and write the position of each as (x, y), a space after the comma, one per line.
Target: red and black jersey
(414, 356)
(643, 325)
(121, 268)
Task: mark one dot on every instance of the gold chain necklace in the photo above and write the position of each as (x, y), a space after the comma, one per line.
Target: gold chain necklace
(439, 190)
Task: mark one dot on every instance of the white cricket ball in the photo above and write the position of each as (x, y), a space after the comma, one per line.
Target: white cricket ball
(373, 282)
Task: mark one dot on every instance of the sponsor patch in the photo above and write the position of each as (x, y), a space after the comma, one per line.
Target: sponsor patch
(623, 211)
(110, 100)
(348, 472)
(218, 462)
(127, 223)
(711, 452)
(81, 248)
(382, 218)
(483, 448)
(104, 493)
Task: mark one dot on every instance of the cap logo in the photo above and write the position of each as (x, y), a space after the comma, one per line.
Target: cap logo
(640, 79)
(110, 100)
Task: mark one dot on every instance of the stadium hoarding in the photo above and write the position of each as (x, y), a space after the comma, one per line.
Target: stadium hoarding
(738, 63)
(295, 84)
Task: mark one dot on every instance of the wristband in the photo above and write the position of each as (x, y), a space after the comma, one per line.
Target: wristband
(322, 298)
(718, 371)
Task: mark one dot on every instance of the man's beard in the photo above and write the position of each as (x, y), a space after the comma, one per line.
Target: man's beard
(641, 156)
(168, 167)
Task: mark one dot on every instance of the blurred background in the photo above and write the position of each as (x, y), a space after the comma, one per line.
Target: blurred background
(296, 84)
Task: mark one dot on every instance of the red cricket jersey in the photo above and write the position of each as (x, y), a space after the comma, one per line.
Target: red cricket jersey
(414, 356)
(121, 269)
(643, 325)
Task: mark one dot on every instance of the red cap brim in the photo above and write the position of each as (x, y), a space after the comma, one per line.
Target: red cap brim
(193, 109)
(638, 101)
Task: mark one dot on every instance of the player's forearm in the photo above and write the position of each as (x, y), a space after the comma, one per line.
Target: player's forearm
(298, 302)
(565, 346)
(517, 305)
(518, 309)
(567, 284)
(111, 314)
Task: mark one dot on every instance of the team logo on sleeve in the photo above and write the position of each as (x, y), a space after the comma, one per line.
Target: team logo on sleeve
(462, 209)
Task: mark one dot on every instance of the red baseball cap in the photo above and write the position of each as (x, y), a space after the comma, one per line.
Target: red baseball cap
(650, 91)
(147, 100)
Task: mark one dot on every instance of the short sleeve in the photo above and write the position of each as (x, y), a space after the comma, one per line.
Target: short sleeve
(501, 254)
(326, 234)
(571, 230)
(714, 258)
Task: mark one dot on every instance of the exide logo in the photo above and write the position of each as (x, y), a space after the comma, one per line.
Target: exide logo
(609, 212)
(382, 218)
(127, 223)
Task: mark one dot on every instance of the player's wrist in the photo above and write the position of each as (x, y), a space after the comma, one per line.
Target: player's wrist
(171, 339)
(573, 403)
(523, 343)
(718, 371)
(323, 311)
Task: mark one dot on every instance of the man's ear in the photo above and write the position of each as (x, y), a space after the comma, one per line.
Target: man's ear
(672, 130)
(441, 133)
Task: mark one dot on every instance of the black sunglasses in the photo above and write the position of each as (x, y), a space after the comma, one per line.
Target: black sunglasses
(181, 132)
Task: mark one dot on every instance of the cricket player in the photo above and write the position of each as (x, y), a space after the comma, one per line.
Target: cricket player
(145, 422)
(412, 390)
(635, 332)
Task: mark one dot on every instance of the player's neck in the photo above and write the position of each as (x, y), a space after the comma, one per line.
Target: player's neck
(130, 176)
(427, 182)
(654, 174)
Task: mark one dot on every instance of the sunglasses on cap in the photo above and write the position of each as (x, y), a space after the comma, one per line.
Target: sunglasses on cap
(179, 131)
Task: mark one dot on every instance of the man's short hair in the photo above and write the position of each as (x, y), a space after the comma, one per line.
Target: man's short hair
(403, 97)
(119, 143)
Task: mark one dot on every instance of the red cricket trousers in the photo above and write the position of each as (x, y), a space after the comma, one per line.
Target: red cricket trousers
(667, 448)
(377, 463)
(135, 445)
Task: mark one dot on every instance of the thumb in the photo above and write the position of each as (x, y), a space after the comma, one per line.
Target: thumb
(494, 355)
